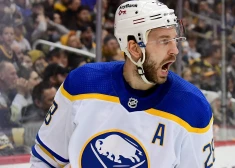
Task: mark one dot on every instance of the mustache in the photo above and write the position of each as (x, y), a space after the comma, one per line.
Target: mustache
(171, 58)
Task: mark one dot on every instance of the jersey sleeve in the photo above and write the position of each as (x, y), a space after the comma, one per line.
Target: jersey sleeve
(197, 150)
(52, 140)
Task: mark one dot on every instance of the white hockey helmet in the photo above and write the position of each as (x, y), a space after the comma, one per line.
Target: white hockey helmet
(137, 18)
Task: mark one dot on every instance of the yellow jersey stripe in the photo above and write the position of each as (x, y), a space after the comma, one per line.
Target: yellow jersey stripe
(149, 111)
(179, 121)
(89, 96)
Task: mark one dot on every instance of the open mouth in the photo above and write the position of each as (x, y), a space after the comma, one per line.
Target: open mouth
(166, 66)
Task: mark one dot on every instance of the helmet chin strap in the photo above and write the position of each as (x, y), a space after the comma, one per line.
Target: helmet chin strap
(139, 65)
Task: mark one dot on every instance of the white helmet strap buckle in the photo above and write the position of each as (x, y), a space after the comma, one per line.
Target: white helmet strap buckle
(139, 65)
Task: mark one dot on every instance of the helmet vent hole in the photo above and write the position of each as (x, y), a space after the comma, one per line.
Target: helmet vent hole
(136, 12)
(120, 39)
(139, 34)
(168, 21)
(140, 39)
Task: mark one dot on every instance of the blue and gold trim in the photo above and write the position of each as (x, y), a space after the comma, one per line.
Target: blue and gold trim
(180, 121)
(50, 153)
(89, 96)
(35, 153)
(151, 111)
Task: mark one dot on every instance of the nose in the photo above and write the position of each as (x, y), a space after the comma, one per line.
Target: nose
(173, 49)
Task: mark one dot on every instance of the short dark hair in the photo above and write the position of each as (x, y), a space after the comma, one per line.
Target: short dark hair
(38, 90)
(81, 8)
(108, 38)
(54, 52)
(53, 70)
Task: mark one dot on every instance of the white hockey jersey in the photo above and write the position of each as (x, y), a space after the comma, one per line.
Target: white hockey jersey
(98, 121)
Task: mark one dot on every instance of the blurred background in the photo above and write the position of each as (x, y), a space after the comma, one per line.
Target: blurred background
(41, 41)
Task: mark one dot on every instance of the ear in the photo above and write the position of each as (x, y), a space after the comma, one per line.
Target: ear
(52, 79)
(134, 50)
(37, 103)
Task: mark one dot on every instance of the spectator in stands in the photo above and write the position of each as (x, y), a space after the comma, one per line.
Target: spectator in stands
(87, 39)
(204, 32)
(39, 23)
(204, 9)
(8, 11)
(39, 61)
(18, 52)
(58, 56)
(27, 61)
(43, 95)
(55, 30)
(57, 18)
(54, 56)
(209, 69)
(192, 48)
(72, 7)
(55, 75)
(48, 7)
(7, 37)
(72, 40)
(83, 17)
(23, 7)
(218, 11)
(111, 50)
(24, 98)
(109, 23)
(194, 5)
(20, 40)
(8, 79)
(64, 60)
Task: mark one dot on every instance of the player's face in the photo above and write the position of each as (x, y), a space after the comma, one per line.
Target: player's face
(160, 56)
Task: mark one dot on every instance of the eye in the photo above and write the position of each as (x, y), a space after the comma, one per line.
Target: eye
(164, 41)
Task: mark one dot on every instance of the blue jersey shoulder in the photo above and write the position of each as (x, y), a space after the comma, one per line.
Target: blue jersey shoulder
(91, 78)
(187, 102)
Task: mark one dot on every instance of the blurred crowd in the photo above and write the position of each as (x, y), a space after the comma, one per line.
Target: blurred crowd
(30, 76)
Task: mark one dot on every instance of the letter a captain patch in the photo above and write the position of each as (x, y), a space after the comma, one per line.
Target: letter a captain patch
(159, 134)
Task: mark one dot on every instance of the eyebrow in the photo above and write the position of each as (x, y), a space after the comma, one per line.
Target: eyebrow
(166, 36)
(163, 36)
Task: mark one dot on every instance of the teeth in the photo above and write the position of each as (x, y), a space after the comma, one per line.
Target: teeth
(165, 70)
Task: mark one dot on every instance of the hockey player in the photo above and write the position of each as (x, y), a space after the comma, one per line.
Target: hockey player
(130, 114)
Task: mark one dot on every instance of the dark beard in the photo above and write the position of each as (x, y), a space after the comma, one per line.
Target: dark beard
(151, 68)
